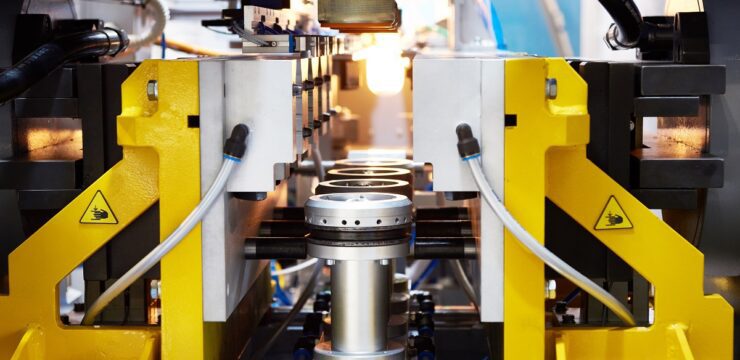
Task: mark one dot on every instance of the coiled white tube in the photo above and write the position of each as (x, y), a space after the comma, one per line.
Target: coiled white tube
(529, 242)
(160, 14)
(165, 246)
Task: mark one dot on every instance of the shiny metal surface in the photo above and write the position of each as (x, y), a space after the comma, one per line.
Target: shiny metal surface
(357, 252)
(374, 162)
(389, 186)
(358, 211)
(371, 172)
(361, 293)
(395, 351)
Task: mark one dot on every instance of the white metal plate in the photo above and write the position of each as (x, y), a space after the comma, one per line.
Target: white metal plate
(450, 90)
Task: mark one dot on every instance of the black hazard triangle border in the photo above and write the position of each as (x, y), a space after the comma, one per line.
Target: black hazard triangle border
(82, 218)
(596, 225)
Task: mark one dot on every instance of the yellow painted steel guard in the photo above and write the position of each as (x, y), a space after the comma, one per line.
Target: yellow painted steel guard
(545, 155)
(160, 162)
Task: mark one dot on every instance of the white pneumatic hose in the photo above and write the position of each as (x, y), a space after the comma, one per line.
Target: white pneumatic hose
(294, 268)
(529, 242)
(160, 14)
(231, 159)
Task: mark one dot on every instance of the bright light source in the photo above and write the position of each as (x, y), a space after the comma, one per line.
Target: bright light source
(386, 70)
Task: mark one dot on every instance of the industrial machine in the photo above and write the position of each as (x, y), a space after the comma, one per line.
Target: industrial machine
(229, 206)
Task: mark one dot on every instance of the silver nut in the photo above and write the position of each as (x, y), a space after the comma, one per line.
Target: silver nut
(384, 262)
(330, 262)
(551, 88)
(152, 90)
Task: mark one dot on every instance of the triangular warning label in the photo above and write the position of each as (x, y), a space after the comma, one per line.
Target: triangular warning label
(613, 217)
(98, 211)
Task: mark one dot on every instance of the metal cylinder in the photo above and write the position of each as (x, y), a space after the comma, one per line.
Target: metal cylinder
(374, 162)
(390, 186)
(360, 233)
(371, 173)
(360, 302)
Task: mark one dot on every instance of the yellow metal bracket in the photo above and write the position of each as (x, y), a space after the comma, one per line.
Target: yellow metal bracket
(160, 163)
(545, 155)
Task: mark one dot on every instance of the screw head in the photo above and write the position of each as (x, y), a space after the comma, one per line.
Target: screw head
(330, 262)
(152, 90)
(384, 262)
(551, 88)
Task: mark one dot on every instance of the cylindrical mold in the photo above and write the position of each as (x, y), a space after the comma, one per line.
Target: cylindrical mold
(361, 232)
(371, 173)
(360, 296)
(390, 186)
(374, 162)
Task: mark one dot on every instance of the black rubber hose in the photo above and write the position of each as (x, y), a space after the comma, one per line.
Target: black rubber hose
(46, 58)
(627, 19)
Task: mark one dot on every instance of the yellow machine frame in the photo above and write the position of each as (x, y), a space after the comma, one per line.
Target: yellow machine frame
(160, 163)
(545, 156)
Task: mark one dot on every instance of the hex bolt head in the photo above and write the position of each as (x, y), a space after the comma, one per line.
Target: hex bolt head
(384, 262)
(330, 262)
(152, 90)
(551, 88)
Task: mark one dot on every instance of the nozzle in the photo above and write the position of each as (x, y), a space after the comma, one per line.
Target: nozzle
(467, 144)
(236, 144)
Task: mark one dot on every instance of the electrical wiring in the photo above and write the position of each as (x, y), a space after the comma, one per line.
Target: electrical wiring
(470, 153)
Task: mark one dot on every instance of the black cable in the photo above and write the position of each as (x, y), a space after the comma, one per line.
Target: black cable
(46, 58)
(627, 19)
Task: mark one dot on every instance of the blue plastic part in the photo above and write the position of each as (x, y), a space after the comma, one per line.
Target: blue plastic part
(428, 271)
(302, 354)
(164, 46)
(498, 29)
(282, 297)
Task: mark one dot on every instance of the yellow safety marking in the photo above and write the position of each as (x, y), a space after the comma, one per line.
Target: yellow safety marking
(613, 217)
(98, 211)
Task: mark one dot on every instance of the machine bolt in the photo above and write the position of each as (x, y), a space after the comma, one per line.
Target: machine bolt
(551, 88)
(384, 262)
(330, 262)
(152, 90)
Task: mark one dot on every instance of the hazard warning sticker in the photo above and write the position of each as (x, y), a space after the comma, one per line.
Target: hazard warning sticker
(98, 211)
(613, 217)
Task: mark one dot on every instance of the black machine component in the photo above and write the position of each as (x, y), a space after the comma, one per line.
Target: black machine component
(682, 39)
(445, 248)
(68, 43)
(52, 112)
(275, 248)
